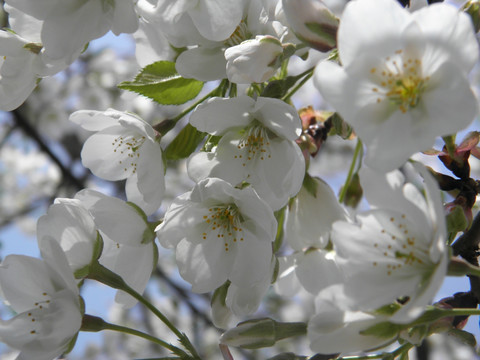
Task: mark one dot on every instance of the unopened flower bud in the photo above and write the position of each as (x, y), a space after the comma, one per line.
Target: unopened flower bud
(472, 8)
(312, 22)
(258, 333)
(255, 60)
(221, 314)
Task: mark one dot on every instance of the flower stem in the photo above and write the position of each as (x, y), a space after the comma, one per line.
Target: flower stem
(94, 324)
(190, 108)
(105, 276)
(397, 352)
(450, 145)
(351, 171)
(306, 76)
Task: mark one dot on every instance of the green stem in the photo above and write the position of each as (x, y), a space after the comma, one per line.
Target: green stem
(306, 76)
(94, 324)
(449, 141)
(399, 351)
(461, 312)
(108, 277)
(284, 69)
(190, 108)
(351, 171)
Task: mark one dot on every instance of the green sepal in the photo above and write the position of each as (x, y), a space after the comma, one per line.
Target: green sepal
(388, 310)
(96, 253)
(138, 210)
(107, 277)
(456, 222)
(82, 304)
(161, 82)
(71, 344)
(92, 323)
(354, 192)
(459, 267)
(211, 142)
(33, 47)
(280, 216)
(220, 294)
(416, 334)
(289, 356)
(327, 35)
(82, 272)
(383, 330)
(310, 185)
(340, 127)
(430, 315)
(98, 247)
(472, 8)
(285, 330)
(155, 255)
(148, 236)
(73, 341)
(288, 50)
(153, 225)
(184, 143)
(464, 337)
(279, 88)
(163, 358)
(149, 233)
(260, 333)
(276, 270)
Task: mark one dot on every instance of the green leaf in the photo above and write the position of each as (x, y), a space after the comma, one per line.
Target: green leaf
(184, 143)
(161, 82)
(279, 88)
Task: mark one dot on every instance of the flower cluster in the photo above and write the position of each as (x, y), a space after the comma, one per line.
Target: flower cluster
(365, 266)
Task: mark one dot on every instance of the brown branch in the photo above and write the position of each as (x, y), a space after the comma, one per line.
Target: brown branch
(466, 246)
(30, 131)
(184, 295)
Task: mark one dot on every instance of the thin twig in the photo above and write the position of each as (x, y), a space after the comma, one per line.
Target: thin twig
(30, 131)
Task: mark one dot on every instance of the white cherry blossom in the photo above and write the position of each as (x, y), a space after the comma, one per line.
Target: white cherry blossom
(219, 233)
(312, 22)
(336, 331)
(124, 147)
(22, 63)
(182, 21)
(129, 249)
(69, 25)
(311, 214)
(254, 61)
(231, 24)
(403, 79)
(394, 254)
(257, 146)
(45, 297)
(70, 224)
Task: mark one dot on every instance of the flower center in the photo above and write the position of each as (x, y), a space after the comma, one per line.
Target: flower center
(399, 249)
(126, 147)
(255, 144)
(240, 34)
(400, 79)
(223, 221)
(39, 306)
